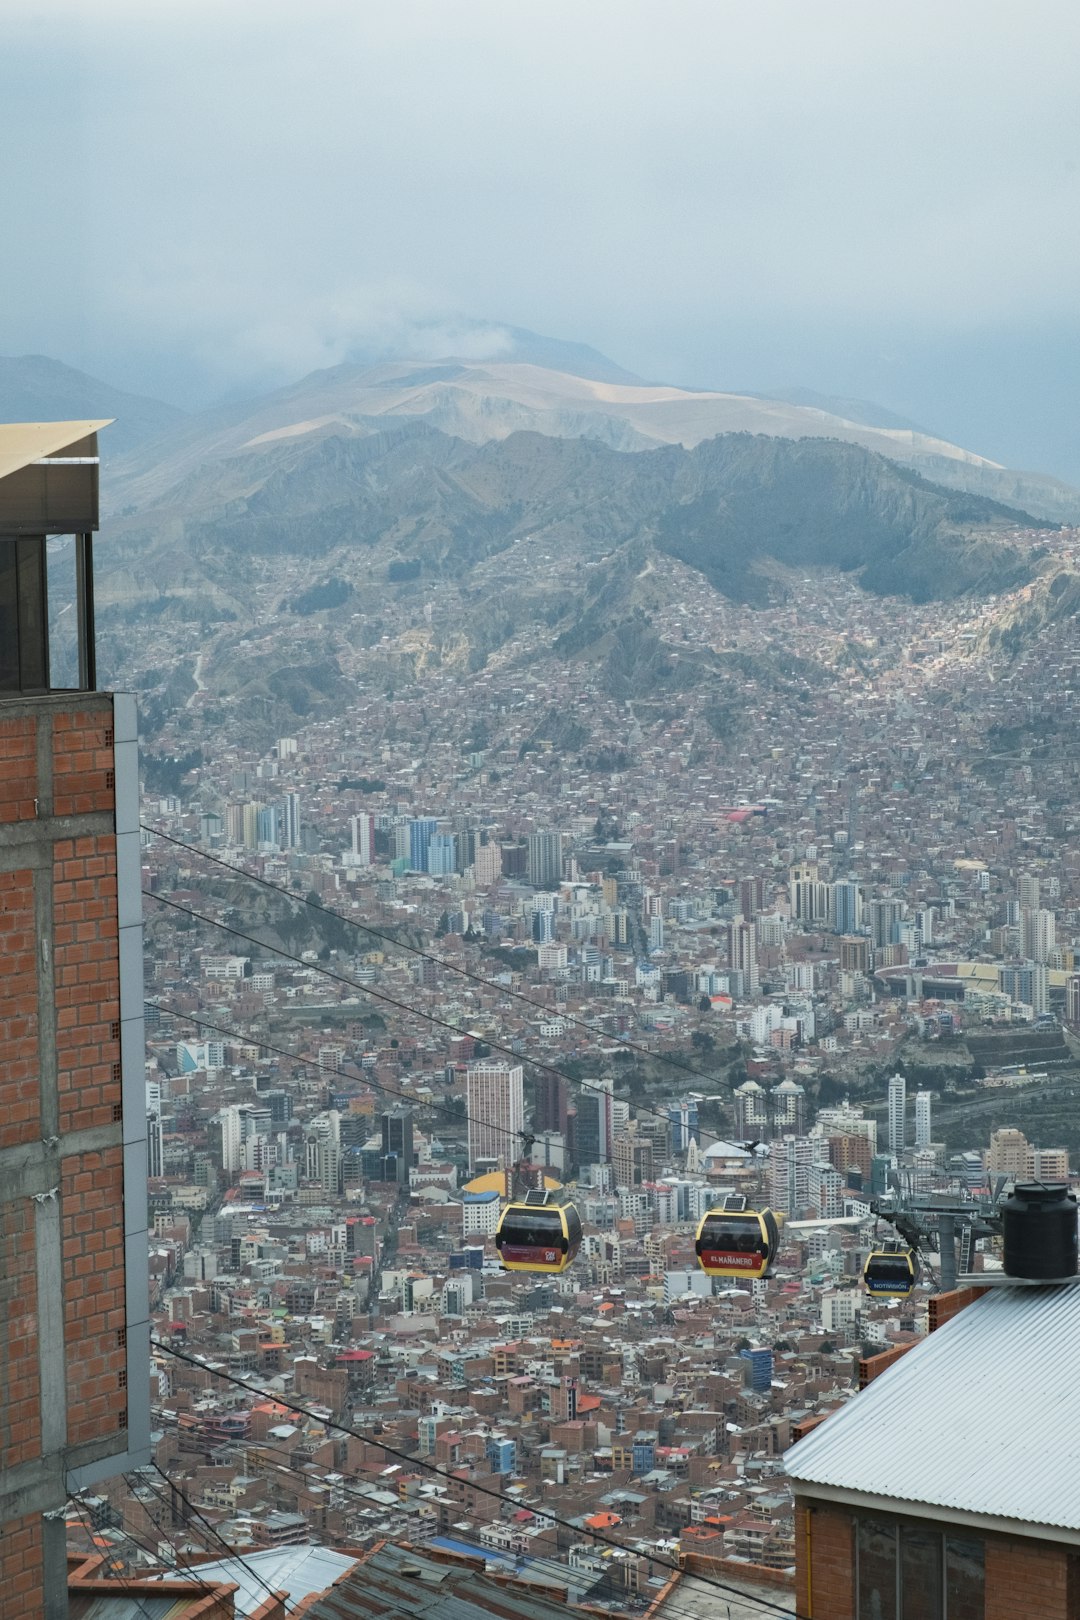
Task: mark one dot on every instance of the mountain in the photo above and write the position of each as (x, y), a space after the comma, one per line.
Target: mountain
(34, 388)
(427, 505)
(484, 401)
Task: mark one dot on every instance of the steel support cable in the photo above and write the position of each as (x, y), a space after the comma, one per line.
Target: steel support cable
(430, 1468)
(426, 956)
(402, 1006)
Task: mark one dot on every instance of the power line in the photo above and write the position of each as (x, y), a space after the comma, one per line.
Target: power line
(426, 956)
(188, 1568)
(402, 1006)
(311, 1470)
(231, 1554)
(124, 1582)
(414, 1462)
(323, 1068)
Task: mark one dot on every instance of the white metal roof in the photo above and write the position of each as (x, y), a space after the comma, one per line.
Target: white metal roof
(982, 1417)
(24, 442)
(298, 1570)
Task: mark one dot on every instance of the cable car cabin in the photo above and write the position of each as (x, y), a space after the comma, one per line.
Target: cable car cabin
(540, 1232)
(891, 1271)
(734, 1241)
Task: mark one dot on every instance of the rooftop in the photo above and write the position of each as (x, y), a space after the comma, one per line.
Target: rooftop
(980, 1418)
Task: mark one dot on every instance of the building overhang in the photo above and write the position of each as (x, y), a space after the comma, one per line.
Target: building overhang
(807, 1493)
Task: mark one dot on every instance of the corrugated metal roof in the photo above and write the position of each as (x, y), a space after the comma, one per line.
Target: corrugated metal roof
(399, 1583)
(983, 1416)
(299, 1571)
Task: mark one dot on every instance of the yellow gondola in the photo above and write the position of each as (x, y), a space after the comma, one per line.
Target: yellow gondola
(540, 1232)
(733, 1241)
(891, 1271)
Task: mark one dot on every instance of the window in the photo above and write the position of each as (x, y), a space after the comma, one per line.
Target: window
(907, 1570)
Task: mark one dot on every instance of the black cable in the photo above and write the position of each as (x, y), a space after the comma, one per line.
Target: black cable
(186, 1569)
(380, 995)
(420, 1463)
(426, 956)
(124, 1582)
(548, 1563)
(323, 1068)
(231, 1554)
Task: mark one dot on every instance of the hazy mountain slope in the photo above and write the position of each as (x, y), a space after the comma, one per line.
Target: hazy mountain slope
(484, 401)
(731, 508)
(34, 388)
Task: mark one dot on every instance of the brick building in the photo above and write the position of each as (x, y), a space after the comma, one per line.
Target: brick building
(945, 1489)
(74, 1328)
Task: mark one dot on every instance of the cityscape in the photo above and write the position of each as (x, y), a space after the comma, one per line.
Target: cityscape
(539, 812)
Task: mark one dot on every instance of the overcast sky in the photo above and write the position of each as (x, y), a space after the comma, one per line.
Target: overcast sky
(203, 196)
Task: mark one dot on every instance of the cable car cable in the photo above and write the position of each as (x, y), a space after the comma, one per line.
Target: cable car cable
(124, 1581)
(232, 1555)
(323, 1068)
(427, 956)
(422, 1464)
(402, 1006)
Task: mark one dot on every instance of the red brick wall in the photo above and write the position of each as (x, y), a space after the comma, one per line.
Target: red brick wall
(824, 1560)
(21, 1568)
(18, 768)
(92, 1196)
(20, 1398)
(78, 875)
(82, 762)
(20, 1114)
(1025, 1579)
(1029, 1578)
(87, 983)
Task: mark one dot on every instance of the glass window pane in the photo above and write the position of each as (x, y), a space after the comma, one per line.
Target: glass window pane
(9, 618)
(877, 1570)
(920, 1573)
(965, 1579)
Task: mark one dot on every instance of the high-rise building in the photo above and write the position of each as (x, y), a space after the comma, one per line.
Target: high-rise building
(1008, 1154)
(420, 831)
(1027, 983)
(751, 897)
(790, 1158)
(1038, 933)
(683, 1120)
(74, 1311)
(788, 1104)
(1072, 998)
(496, 1106)
(397, 1139)
(1029, 892)
(846, 912)
(885, 919)
(155, 1147)
(363, 841)
(808, 894)
(552, 1101)
(543, 861)
(441, 854)
(751, 1106)
(742, 954)
(487, 865)
(923, 1129)
(290, 822)
(593, 1123)
(897, 1112)
(632, 1159)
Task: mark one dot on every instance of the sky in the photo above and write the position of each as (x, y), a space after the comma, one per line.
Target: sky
(204, 198)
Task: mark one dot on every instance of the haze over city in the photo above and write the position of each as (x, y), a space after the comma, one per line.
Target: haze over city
(539, 811)
(861, 201)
